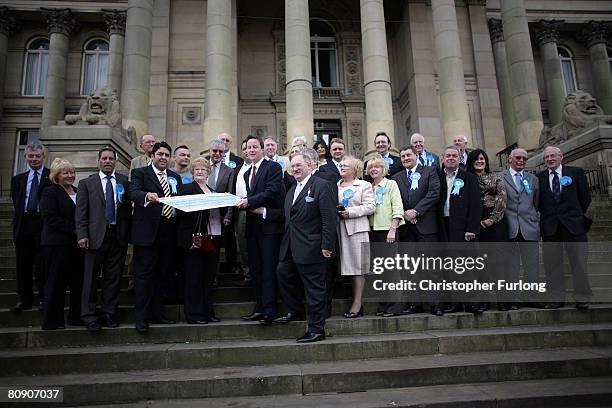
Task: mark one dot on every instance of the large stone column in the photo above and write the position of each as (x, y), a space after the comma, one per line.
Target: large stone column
(115, 25)
(453, 101)
(522, 74)
(503, 79)
(298, 89)
(219, 69)
(376, 77)
(137, 66)
(61, 24)
(8, 23)
(546, 33)
(594, 35)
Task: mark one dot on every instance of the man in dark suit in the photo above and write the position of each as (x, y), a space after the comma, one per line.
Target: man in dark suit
(461, 141)
(459, 208)
(420, 190)
(103, 217)
(26, 189)
(153, 235)
(424, 157)
(229, 158)
(564, 200)
(382, 143)
(308, 241)
(264, 183)
(331, 170)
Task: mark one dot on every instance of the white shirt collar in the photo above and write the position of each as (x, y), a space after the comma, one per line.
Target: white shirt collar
(558, 170)
(258, 164)
(157, 171)
(414, 168)
(303, 182)
(514, 172)
(103, 176)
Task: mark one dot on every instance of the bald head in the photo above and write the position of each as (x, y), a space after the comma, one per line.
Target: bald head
(552, 157)
(226, 138)
(460, 141)
(147, 142)
(518, 159)
(417, 141)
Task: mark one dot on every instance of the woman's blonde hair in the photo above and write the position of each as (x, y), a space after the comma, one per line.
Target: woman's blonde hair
(199, 162)
(355, 164)
(58, 166)
(378, 162)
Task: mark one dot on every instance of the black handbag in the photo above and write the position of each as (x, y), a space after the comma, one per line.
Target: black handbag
(201, 242)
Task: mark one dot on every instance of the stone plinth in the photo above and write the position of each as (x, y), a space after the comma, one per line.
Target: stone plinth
(79, 144)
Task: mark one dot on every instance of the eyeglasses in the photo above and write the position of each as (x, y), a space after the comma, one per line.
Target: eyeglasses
(217, 151)
(521, 157)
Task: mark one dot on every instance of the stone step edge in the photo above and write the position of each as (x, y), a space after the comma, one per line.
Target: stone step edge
(335, 376)
(566, 392)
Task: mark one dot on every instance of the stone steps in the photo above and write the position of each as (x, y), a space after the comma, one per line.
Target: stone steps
(558, 392)
(326, 377)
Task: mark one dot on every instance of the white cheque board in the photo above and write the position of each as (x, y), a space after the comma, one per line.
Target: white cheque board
(198, 202)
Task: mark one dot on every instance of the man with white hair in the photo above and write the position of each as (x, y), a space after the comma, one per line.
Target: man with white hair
(270, 148)
(147, 142)
(424, 157)
(564, 200)
(461, 142)
(229, 158)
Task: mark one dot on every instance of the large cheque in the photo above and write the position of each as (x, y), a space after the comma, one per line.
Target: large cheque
(197, 202)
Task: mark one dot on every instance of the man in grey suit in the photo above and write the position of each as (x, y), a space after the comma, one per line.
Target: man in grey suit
(103, 216)
(523, 193)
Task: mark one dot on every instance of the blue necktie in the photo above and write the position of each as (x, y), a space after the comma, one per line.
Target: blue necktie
(556, 187)
(409, 177)
(33, 197)
(110, 201)
(518, 181)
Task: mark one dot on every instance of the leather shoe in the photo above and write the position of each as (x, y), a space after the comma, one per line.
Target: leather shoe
(289, 317)
(309, 337)
(266, 320)
(197, 321)
(20, 307)
(142, 327)
(213, 319)
(163, 320)
(109, 321)
(555, 305)
(252, 317)
(437, 311)
(582, 305)
(412, 309)
(453, 308)
(93, 327)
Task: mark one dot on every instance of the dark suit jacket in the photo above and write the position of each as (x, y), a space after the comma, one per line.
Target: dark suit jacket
(310, 226)
(268, 191)
(19, 184)
(424, 199)
(435, 161)
(91, 211)
(145, 220)
(394, 168)
(57, 211)
(465, 207)
(329, 171)
(187, 221)
(570, 210)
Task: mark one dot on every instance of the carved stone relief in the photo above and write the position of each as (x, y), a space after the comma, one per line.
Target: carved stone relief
(352, 69)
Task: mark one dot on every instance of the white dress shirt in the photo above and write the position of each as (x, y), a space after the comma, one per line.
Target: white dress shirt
(450, 180)
(113, 183)
(559, 171)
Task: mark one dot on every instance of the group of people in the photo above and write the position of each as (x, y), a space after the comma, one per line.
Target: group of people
(299, 222)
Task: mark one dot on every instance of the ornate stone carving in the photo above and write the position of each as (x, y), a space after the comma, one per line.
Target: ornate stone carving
(101, 107)
(594, 32)
(60, 21)
(580, 112)
(356, 138)
(352, 69)
(547, 31)
(115, 21)
(282, 134)
(192, 115)
(281, 70)
(8, 22)
(496, 30)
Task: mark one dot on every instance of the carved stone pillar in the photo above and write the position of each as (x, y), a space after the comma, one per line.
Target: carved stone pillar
(594, 34)
(61, 24)
(136, 78)
(298, 87)
(525, 92)
(546, 33)
(503, 79)
(453, 100)
(115, 25)
(219, 69)
(8, 23)
(376, 77)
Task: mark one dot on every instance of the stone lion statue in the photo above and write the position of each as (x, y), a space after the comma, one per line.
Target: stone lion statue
(580, 112)
(100, 107)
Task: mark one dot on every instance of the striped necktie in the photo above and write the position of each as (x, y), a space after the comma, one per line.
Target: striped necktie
(166, 210)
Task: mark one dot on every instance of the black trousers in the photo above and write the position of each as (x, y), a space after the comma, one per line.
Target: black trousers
(63, 268)
(304, 281)
(263, 260)
(108, 262)
(576, 247)
(199, 272)
(151, 263)
(29, 259)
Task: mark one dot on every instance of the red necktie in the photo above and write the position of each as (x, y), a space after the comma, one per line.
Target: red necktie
(253, 173)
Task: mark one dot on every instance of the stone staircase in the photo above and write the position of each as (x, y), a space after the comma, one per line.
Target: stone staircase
(523, 358)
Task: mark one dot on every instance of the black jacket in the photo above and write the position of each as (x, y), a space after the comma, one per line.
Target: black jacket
(57, 210)
(19, 184)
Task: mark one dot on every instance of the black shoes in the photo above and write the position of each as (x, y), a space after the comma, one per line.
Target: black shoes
(582, 305)
(437, 311)
(351, 315)
(412, 309)
(289, 317)
(555, 305)
(142, 327)
(197, 321)
(20, 307)
(213, 319)
(109, 321)
(266, 320)
(93, 327)
(252, 317)
(163, 320)
(309, 337)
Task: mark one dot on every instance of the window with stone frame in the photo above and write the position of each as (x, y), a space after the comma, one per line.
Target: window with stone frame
(568, 70)
(323, 55)
(35, 67)
(95, 65)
